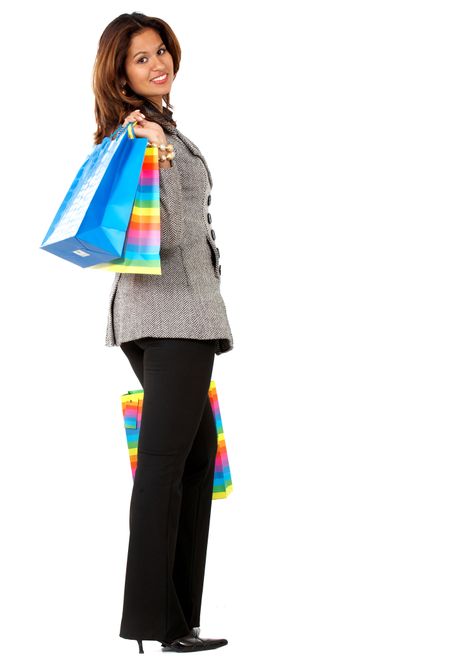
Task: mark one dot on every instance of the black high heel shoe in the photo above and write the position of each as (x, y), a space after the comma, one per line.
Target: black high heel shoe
(192, 642)
(194, 632)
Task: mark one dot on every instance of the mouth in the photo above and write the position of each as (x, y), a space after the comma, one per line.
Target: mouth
(162, 78)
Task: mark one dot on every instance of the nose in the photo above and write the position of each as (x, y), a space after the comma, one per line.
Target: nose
(158, 68)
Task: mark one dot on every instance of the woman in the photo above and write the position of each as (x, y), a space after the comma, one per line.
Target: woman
(170, 327)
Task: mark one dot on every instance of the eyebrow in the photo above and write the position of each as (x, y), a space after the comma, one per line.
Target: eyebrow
(139, 52)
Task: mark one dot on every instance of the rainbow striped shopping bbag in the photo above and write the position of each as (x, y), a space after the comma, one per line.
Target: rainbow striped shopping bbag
(141, 250)
(132, 402)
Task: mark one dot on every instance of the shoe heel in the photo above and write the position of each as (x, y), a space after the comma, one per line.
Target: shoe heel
(141, 650)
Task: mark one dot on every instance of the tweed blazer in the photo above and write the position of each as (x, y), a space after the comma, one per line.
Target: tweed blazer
(185, 300)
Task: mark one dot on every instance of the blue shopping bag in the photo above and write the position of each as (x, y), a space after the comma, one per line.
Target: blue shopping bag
(91, 223)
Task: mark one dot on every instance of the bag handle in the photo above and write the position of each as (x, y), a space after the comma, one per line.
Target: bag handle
(119, 130)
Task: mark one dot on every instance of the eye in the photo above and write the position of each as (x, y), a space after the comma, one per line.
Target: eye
(144, 57)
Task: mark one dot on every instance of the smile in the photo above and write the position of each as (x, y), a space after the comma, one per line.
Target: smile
(160, 79)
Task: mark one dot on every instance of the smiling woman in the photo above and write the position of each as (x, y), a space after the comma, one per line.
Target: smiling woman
(133, 52)
(169, 326)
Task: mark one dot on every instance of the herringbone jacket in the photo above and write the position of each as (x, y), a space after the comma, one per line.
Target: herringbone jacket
(185, 300)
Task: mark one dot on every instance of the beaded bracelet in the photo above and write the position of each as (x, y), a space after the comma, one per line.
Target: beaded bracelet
(169, 147)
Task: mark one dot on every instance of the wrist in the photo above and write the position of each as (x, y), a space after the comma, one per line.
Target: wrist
(165, 152)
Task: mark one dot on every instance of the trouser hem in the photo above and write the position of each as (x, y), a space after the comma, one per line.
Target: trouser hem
(151, 637)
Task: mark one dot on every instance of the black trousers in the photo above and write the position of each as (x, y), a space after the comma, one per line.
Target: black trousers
(172, 491)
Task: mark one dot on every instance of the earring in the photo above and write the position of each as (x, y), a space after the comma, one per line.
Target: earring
(124, 92)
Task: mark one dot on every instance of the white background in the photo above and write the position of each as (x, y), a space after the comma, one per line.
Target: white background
(327, 134)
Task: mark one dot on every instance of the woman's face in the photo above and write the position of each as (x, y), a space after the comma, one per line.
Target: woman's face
(148, 58)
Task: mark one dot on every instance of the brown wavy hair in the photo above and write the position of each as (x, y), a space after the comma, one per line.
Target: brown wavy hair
(111, 105)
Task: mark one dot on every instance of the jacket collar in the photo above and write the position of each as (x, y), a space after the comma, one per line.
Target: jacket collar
(192, 147)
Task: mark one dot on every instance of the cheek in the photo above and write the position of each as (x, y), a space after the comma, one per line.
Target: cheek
(169, 63)
(131, 73)
(139, 73)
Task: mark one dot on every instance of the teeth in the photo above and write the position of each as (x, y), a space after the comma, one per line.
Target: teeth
(160, 78)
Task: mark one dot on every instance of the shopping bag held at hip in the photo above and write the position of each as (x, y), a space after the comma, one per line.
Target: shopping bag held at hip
(132, 403)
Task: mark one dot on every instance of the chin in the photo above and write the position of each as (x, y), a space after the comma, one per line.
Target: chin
(164, 90)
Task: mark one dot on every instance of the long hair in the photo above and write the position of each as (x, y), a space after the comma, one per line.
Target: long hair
(111, 105)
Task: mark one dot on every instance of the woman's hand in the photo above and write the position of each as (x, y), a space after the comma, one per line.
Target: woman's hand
(146, 129)
(150, 131)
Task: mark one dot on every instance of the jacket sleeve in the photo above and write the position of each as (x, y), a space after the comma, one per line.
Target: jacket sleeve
(171, 207)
